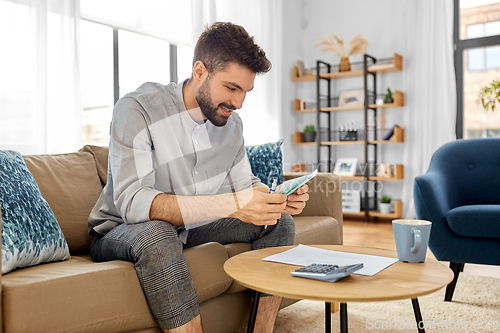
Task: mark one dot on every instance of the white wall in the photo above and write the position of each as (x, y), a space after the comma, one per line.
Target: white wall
(384, 25)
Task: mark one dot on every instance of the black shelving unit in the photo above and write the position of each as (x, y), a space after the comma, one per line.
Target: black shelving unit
(328, 96)
(326, 68)
(368, 136)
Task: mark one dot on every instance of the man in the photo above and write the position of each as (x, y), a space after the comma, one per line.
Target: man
(179, 177)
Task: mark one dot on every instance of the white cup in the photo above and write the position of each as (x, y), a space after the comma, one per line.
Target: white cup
(412, 238)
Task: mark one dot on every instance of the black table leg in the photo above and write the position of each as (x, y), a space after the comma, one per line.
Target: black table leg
(343, 317)
(418, 315)
(328, 317)
(253, 311)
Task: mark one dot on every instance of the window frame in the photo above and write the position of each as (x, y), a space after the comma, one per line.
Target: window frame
(116, 58)
(460, 45)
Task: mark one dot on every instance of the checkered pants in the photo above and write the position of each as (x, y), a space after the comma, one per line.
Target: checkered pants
(156, 252)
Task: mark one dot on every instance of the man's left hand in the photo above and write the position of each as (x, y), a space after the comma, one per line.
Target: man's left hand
(296, 201)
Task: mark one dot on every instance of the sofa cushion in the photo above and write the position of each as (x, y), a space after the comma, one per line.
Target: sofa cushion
(30, 234)
(71, 186)
(266, 162)
(101, 160)
(206, 266)
(312, 230)
(475, 221)
(82, 296)
(79, 295)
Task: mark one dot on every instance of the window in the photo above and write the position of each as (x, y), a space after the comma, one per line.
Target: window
(487, 57)
(184, 62)
(17, 88)
(39, 109)
(477, 63)
(122, 49)
(96, 81)
(139, 59)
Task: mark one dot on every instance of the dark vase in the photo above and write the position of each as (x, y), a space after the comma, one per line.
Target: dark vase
(310, 136)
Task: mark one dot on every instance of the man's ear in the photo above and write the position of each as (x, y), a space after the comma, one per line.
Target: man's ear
(199, 71)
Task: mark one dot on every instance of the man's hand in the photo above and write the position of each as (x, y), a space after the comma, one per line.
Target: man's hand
(257, 206)
(296, 201)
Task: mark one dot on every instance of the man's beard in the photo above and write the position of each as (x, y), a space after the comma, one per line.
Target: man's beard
(208, 108)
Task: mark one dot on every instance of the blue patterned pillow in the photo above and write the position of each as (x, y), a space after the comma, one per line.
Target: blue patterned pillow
(266, 161)
(30, 233)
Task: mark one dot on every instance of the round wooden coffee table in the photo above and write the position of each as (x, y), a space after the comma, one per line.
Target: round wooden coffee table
(398, 281)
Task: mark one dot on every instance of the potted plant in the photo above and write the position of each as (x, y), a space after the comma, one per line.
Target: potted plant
(489, 96)
(385, 204)
(388, 97)
(358, 45)
(309, 133)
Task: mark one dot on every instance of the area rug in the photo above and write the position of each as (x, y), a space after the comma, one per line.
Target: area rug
(475, 308)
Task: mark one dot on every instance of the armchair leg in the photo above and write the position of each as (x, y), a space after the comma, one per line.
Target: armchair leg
(456, 268)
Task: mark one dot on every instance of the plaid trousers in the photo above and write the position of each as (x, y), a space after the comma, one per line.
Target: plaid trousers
(155, 250)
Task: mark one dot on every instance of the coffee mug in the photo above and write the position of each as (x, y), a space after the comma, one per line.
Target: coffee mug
(412, 238)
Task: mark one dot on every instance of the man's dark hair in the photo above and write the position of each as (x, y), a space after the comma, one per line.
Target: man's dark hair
(223, 43)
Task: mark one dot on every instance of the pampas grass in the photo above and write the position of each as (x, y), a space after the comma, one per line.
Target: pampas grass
(358, 45)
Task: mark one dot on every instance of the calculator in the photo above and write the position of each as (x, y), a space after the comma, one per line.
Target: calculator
(325, 272)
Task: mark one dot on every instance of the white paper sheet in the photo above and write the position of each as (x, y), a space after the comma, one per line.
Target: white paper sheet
(304, 255)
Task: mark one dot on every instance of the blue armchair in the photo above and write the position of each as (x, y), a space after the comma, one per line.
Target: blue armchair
(460, 195)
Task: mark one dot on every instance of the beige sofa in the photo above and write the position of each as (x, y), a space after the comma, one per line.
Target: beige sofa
(79, 295)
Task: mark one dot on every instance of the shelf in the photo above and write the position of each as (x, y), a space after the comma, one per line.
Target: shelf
(339, 143)
(298, 139)
(398, 96)
(296, 78)
(343, 75)
(399, 101)
(395, 66)
(342, 108)
(297, 107)
(397, 137)
(352, 177)
(305, 110)
(398, 212)
(398, 170)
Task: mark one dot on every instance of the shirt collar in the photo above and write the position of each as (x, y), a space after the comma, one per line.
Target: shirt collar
(182, 107)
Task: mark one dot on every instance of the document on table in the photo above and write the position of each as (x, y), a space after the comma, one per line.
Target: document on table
(304, 255)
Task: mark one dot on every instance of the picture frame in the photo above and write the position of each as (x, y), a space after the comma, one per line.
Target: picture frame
(355, 97)
(346, 166)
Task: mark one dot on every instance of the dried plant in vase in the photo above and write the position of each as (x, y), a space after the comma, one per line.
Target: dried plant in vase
(357, 45)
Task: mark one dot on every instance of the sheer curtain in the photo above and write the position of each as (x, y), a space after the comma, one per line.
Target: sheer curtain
(262, 19)
(430, 86)
(39, 87)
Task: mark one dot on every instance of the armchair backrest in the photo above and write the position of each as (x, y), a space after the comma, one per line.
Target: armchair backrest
(474, 166)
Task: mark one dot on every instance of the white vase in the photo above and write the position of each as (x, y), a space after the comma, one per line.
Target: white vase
(385, 208)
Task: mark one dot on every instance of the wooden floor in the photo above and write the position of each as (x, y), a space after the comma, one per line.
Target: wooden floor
(379, 235)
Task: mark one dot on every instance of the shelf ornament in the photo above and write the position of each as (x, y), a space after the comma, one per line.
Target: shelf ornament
(358, 45)
(310, 133)
(385, 204)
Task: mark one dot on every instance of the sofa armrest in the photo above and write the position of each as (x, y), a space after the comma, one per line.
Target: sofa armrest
(325, 197)
(435, 194)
